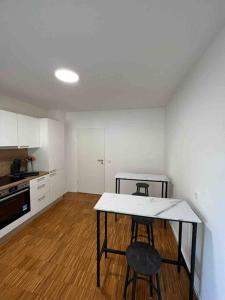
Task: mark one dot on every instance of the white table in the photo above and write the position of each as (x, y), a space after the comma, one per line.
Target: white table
(158, 208)
(163, 179)
(142, 177)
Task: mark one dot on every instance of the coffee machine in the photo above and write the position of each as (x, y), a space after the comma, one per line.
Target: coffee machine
(16, 167)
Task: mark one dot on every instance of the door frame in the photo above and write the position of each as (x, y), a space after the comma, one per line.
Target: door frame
(77, 158)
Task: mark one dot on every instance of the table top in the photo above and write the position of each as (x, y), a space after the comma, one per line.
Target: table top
(161, 208)
(138, 176)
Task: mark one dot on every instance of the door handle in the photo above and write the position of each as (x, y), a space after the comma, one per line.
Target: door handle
(23, 146)
(42, 198)
(13, 195)
(40, 179)
(41, 186)
(101, 161)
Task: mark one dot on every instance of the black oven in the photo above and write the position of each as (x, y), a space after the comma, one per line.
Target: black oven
(14, 203)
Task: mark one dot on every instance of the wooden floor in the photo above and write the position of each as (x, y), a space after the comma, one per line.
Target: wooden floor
(54, 257)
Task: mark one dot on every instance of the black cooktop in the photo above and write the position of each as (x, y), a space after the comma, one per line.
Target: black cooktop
(4, 180)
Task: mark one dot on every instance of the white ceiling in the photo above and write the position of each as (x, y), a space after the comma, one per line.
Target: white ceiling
(128, 53)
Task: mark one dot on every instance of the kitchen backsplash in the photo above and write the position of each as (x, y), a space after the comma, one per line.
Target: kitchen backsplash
(7, 156)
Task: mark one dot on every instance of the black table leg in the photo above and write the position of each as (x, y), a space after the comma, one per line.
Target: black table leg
(116, 193)
(162, 194)
(166, 189)
(98, 249)
(165, 224)
(179, 260)
(193, 251)
(106, 234)
(116, 185)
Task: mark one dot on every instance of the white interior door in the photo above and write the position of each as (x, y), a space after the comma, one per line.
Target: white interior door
(91, 160)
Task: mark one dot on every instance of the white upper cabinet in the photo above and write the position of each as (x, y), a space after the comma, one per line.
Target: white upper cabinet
(19, 130)
(8, 129)
(28, 131)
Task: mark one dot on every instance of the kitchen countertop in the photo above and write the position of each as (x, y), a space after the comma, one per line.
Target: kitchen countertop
(27, 179)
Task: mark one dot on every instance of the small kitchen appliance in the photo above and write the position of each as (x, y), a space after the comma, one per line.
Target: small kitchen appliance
(16, 167)
(14, 201)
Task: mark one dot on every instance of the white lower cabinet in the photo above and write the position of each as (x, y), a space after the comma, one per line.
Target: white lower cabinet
(39, 194)
(43, 191)
(46, 189)
(57, 184)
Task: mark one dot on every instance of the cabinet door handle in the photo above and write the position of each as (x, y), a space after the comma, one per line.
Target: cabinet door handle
(13, 195)
(52, 174)
(101, 161)
(42, 198)
(24, 146)
(41, 186)
(40, 179)
(52, 171)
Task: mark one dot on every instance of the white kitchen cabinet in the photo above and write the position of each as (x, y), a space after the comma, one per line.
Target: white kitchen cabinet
(53, 186)
(57, 184)
(61, 182)
(39, 194)
(56, 145)
(28, 131)
(8, 129)
(50, 156)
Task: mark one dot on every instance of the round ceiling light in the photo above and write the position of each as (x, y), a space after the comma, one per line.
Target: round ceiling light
(67, 76)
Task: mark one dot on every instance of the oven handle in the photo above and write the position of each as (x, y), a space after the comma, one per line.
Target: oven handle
(15, 194)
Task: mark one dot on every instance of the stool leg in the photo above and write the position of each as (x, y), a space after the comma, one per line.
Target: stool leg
(152, 235)
(148, 232)
(151, 286)
(158, 287)
(126, 282)
(136, 231)
(132, 230)
(134, 286)
(146, 192)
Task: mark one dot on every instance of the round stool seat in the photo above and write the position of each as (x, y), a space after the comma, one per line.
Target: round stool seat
(142, 220)
(139, 194)
(142, 185)
(143, 258)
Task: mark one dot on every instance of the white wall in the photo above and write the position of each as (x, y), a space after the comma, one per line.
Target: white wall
(195, 131)
(21, 107)
(134, 141)
(58, 115)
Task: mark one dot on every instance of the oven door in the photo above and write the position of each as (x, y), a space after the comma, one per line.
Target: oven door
(14, 206)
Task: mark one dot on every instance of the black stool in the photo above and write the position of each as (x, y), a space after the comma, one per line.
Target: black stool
(143, 259)
(148, 222)
(141, 185)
